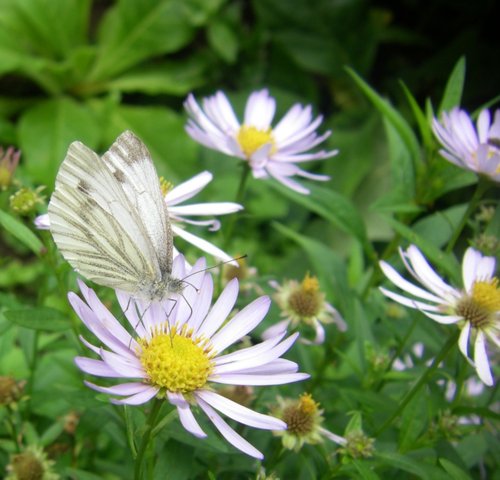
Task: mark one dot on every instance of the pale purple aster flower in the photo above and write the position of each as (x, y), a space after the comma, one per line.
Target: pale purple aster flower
(270, 152)
(176, 349)
(179, 214)
(475, 308)
(474, 148)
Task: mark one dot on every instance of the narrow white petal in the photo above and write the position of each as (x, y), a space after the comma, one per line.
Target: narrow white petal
(205, 209)
(42, 222)
(259, 380)
(240, 413)
(220, 310)
(188, 189)
(481, 360)
(122, 389)
(276, 329)
(138, 398)
(122, 365)
(242, 323)
(228, 433)
(444, 319)
(96, 367)
(408, 302)
(331, 436)
(187, 418)
(463, 340)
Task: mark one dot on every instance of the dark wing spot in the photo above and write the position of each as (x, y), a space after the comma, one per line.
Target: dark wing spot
(83, 187)
(119, 175)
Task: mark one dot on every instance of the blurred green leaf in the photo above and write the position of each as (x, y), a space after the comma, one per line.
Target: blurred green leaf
(47, 129)
(452, 96)
(174, 78)
(21, 232)
(132, 32)
(413, 422)
(455, 472)
(402, 462)
(40, 318)
(364, 470)
(391, 115)
(223, 39)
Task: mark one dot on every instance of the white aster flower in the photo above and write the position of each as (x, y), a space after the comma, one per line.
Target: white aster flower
(175, 352)
(178, 214)
(270, 152)
(476, 149)
(475, 308)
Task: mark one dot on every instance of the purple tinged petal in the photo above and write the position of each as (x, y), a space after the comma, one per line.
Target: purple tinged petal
(481, 360)
(240, 413)
(189, 422)
(122, 389)
(242, 323)
(228, 433)
(96, 367)
(138, 398)
(260, 380)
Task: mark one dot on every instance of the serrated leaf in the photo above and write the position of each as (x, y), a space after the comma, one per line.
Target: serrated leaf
(40, 318)
(21, 232)
(452, 96)
(46, 130)
(391, 115)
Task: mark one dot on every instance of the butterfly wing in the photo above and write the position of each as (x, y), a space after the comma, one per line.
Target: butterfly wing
(97, 225)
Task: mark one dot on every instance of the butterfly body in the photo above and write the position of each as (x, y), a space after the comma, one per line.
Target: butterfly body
(110, 221)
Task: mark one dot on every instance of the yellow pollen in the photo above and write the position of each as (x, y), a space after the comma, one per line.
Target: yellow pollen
(165, 186)
(176, 361)
(310, 284)
(307, 405)
(487, 295)
(251, 139)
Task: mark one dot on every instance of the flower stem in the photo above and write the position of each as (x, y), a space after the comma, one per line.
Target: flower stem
(240, 195)
(481, 187)
(427, 373)
(150, 424)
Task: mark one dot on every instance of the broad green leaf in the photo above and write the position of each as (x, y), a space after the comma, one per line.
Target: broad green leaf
(422, 121)
(452, 96)
(47, 129)
(174, 78)
(162, 130)
(40, 318)
(455, 472)
(437, 257)
(223, 39)
(132, 32)
(402, 168)
(327, 265)
(21, 232)
(334, 207)
(364, 470)
(391, 115)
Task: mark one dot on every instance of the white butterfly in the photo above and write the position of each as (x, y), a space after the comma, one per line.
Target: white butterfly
(110, 222)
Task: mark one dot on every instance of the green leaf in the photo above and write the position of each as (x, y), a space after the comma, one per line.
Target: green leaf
(452, 96)
(455, 472)
(223, 39)
(364, 470)
(334, 207)
(40, 318)
(135, 31)
(47, 129)
(413, 422)
(174, 78)
(21, 232)
(402, 462)
(391, 115)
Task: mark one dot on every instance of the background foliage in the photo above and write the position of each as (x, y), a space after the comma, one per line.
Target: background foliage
(87, 70)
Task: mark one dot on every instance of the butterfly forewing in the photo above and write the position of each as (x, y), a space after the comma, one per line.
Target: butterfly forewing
(107, 221)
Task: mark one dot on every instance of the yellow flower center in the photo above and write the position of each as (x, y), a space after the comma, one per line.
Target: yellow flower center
(482, 303)
(300, 417)
(251, 139)
(165, 186)
(176, 361)
(306, 300)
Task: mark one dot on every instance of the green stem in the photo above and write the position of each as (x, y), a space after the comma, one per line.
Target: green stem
(481, 187)
(427, 373)
(240, 195)
(150, 424)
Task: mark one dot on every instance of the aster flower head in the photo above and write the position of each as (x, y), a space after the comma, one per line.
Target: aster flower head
(175, 352)
(304, 304)
(179, 214)
(475, 308)
(474, 148)
(303, 418)
(270, 152)
(32, 463)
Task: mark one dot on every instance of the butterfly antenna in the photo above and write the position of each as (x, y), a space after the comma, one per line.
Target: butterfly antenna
(211, 267)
